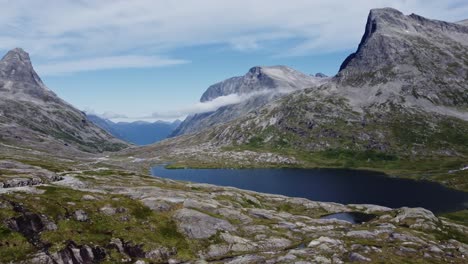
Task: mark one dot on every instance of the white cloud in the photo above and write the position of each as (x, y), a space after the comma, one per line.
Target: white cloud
(69, 31)
(208, 106)
(101, 63)
(111, 115)
(196, 108)
(105, 115)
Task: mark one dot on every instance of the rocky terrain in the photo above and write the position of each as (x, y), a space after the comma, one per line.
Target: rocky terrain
(31, 114)
(258, 87)
(98, 212)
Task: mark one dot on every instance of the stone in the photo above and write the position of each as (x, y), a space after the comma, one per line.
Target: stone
(217, 251)
(80, 215)
(275, 243)
(157, 205)
(199, 225)
(40, 258)
(326, 240)
(356, 257)
(247, 259)
(435, 249)
(234, 214)
(161, 254)
(209, 206)
(108, 210)
(322, 260)
(80, 254)
(88, 197)
(361, 234)
(287, 258)
(406, 213)
(263, 214)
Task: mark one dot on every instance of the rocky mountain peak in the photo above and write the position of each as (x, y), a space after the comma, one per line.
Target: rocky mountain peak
(261, 78)
(419, 58)
(16, 66)
(17, 54)
(276, 80)
(31, 112)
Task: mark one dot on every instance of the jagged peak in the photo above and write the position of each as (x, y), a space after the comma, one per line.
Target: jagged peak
(16, 65)
(388, 21)
(384, 11)
(258, 69)
(17, 54)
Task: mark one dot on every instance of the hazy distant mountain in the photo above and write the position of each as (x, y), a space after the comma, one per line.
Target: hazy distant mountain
(259, 85)
(32, 115)
(138, 132)
(463, 22)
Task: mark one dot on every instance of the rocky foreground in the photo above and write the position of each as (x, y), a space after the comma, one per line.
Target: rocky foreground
(90, 211)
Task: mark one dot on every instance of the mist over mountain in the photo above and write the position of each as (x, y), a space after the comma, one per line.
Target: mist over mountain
(258, 86)
(138, 132)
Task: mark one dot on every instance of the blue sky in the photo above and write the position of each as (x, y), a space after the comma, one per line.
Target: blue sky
(129, 59)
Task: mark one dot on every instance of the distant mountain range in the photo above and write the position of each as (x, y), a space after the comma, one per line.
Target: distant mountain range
(138, 132)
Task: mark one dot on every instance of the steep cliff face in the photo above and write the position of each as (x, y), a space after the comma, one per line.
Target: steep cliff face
(410, 57)
(32, 114)
(258, 86)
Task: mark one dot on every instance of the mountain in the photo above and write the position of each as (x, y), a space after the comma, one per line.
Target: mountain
(417, 59)
(139, 133)
(31, 114)
(398, 104)
(404, 91)
(257, 87)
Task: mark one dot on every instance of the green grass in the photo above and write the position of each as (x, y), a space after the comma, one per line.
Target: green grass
(136, 223)
(13, 246)
(460, 217)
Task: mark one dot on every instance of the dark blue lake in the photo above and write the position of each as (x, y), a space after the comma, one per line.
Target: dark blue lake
(329, 185)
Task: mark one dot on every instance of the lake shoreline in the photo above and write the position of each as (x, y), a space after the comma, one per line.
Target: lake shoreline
(353, 173)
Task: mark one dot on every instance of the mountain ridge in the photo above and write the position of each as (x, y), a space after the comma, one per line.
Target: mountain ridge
(260, 85)
(33, 115)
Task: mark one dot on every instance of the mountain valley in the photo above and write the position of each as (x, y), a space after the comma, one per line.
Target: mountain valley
(70, 192)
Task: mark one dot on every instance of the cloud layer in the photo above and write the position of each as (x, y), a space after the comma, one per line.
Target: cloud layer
(208, 106)
(196, 108)
(73, 35)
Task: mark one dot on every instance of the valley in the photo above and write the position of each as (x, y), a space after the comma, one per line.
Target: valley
(72, 192)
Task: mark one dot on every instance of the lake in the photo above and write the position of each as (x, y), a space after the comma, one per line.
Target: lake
(329, 185)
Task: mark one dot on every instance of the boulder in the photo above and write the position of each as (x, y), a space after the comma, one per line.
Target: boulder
(356, 257)
(199, 225)
(80, 215)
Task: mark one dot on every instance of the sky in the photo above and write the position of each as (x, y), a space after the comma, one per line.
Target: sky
(153, 59)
